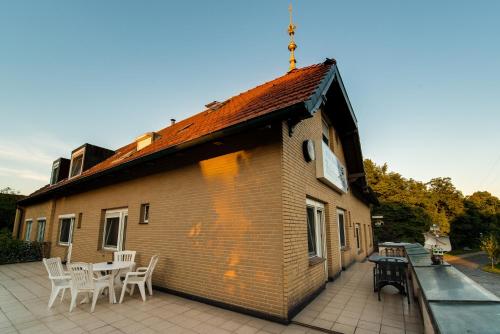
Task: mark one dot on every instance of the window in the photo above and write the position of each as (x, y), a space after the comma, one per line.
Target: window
(115, 222)
(326, 133)
(55, 172)
(144, 214)
(341, 220)
(358, 238)
(76, 163)
(41, 229)
(315, 225)
(311, 232)
(66, 223)
(27, 234)
(370, 235)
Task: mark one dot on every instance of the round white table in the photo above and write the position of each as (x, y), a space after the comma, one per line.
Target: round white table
(112, 269)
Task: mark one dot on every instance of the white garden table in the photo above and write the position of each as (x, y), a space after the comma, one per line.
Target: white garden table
(112, 269)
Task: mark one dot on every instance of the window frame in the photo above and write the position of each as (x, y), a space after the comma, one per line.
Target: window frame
(319, 225)
(358, 237)
(120, 214)
(77, 154)
(342, 212)
(29, 228)
(55, 166)
(145, 209)
(71, 217)
(38, 221)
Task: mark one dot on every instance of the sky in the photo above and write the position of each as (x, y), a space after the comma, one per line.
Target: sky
(423, 76)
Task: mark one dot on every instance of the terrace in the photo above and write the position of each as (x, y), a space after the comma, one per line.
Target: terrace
(348, 305)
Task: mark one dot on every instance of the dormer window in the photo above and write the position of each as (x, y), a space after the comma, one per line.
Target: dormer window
(76, 163)
(60, 170)
(55, 172)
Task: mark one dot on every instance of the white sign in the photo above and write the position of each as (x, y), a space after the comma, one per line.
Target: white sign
(330, 170)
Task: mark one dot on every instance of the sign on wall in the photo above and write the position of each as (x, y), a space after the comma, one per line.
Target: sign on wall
(330, 170)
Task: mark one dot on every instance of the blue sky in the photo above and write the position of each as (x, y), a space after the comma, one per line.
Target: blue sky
(422, 76)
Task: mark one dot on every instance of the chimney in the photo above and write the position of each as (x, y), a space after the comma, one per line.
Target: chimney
(172, 121)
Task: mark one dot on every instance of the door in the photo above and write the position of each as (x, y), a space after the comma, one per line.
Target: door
(341, 232)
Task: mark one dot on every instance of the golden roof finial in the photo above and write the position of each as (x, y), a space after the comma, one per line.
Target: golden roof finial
(291, 46)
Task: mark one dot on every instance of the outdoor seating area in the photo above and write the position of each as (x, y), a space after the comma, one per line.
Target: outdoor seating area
(390, 271)
(25, 289)
(95, 279)
(369, 297)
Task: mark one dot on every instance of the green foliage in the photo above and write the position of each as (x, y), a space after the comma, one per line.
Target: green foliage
(481, 216)
(409, 207)
(402, 223)
(14, 250)
(447, 200)
(489, 245)
(8, 199)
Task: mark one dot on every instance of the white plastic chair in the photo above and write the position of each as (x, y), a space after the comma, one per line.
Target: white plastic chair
(60, 279)
(82, 280)
(141, 277)
(125, 256)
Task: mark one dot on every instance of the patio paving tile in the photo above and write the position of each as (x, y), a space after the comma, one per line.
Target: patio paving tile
(353, 307)
(347, 305)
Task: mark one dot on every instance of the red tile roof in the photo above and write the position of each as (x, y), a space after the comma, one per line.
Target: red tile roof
(292, 88)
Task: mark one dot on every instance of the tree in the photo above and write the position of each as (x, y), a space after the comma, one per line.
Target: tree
(8, 199)
(435, 202)
(448, 201)
(485, 202)
(407, 208)
(481, 216)
(489, 244)
(401, 223)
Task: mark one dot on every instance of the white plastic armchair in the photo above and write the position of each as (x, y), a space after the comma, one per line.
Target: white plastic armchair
(82, 280)
(125, 256)
(59, 279)
(141, 277)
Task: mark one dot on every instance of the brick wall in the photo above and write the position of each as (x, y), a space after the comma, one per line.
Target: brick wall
(231, 227)
(216, 224)
(299, 183)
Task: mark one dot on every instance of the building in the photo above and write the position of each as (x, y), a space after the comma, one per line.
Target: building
(253, 204)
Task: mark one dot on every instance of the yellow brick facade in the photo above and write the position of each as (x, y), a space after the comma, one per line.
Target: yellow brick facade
(299, 183)
(230, 227)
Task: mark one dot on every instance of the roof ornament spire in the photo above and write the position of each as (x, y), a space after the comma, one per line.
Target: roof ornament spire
(291, 46)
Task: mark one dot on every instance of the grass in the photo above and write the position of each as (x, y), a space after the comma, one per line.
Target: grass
(461, 251)
(495, 270)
